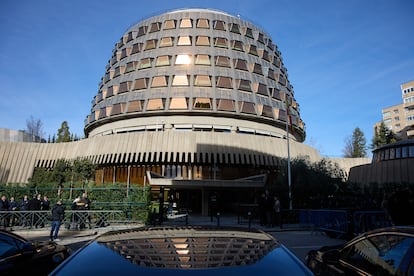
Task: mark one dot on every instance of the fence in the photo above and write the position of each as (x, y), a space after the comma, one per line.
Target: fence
(73, 219)
(344, 223)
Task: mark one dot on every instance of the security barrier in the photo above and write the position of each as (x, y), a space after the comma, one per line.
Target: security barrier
(343, 223)
(74, 219)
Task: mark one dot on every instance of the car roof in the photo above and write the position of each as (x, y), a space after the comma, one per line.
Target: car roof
(400, 230)
(180, 249)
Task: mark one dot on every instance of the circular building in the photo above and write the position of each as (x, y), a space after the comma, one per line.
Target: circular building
(205, 96)
(196, 103)
(196, 70)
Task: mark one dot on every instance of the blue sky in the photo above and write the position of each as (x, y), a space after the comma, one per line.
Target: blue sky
(346, 59)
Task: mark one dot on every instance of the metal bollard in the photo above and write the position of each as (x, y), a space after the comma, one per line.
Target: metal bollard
(218, 219)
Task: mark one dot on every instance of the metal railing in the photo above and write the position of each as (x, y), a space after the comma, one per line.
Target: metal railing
(74, 219)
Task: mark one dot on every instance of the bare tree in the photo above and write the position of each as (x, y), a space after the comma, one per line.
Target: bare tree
(34, 127)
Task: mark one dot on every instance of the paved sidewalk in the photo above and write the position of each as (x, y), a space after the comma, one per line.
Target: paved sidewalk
(68, 236)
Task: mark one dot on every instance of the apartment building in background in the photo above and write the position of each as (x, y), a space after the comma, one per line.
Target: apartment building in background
(400, 118)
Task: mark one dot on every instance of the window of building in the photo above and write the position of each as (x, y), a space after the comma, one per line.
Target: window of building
(282, 79)
(252, 49)
(166, 42)
(202, 60)
(386, 114)
(109, 92)
(125, 52)
(134, 106)
(183, 59)
(275, 93)
(203, 23)
(142, 31)
(118, 108)
(267, 111)
(234, 28)
(180, 80)
(224, 82)
(276, 62)
(240, 64)
(265, 55)
(159, 81)
(202, 103)
(222, 61)
(141, 84)
(151, 44)
(117, 72)
(249, 33)
(99, 97)
(124, 86)
(271, 74)
(225, 105)
(260, 38)
(186, 23)
(155, 104)
(145, 63)
(184, 41)
(244, 85)
(247, 107)
(219, 25)
(260, 88)
(179, 103)
(163, 61)
(169, 24)
(137, 47)
(130, 66)
(257, 68)
(220, 42)
(203, 41)
(237, 45)
(155, 27)
(202, 80)
(102, 113)
(130, 37)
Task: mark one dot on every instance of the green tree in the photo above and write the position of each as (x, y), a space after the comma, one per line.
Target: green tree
(61, 172)
(63, 134)
(355, 145)
(83, 170)
(383, 136)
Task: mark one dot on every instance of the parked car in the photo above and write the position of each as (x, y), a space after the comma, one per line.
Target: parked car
(183, 250)
(384, 251)
(19, 255)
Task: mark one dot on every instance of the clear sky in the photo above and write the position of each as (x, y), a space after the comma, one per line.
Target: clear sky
(346, 59)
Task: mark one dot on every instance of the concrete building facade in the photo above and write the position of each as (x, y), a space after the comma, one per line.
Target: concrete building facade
(196, 101)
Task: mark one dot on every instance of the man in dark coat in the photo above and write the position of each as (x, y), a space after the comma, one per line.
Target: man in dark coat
(58, 215)
(4, 207)
(35, 204)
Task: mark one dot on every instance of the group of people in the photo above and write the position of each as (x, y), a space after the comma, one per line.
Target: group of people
(269, 210)
(39, 203)
(8, 206)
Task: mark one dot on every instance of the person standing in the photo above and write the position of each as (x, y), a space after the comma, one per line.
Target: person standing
(4, 208)
(276, 208)
(87, 202)
(34, 205)
(58, 215)
(23, 207)
(13, 206)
